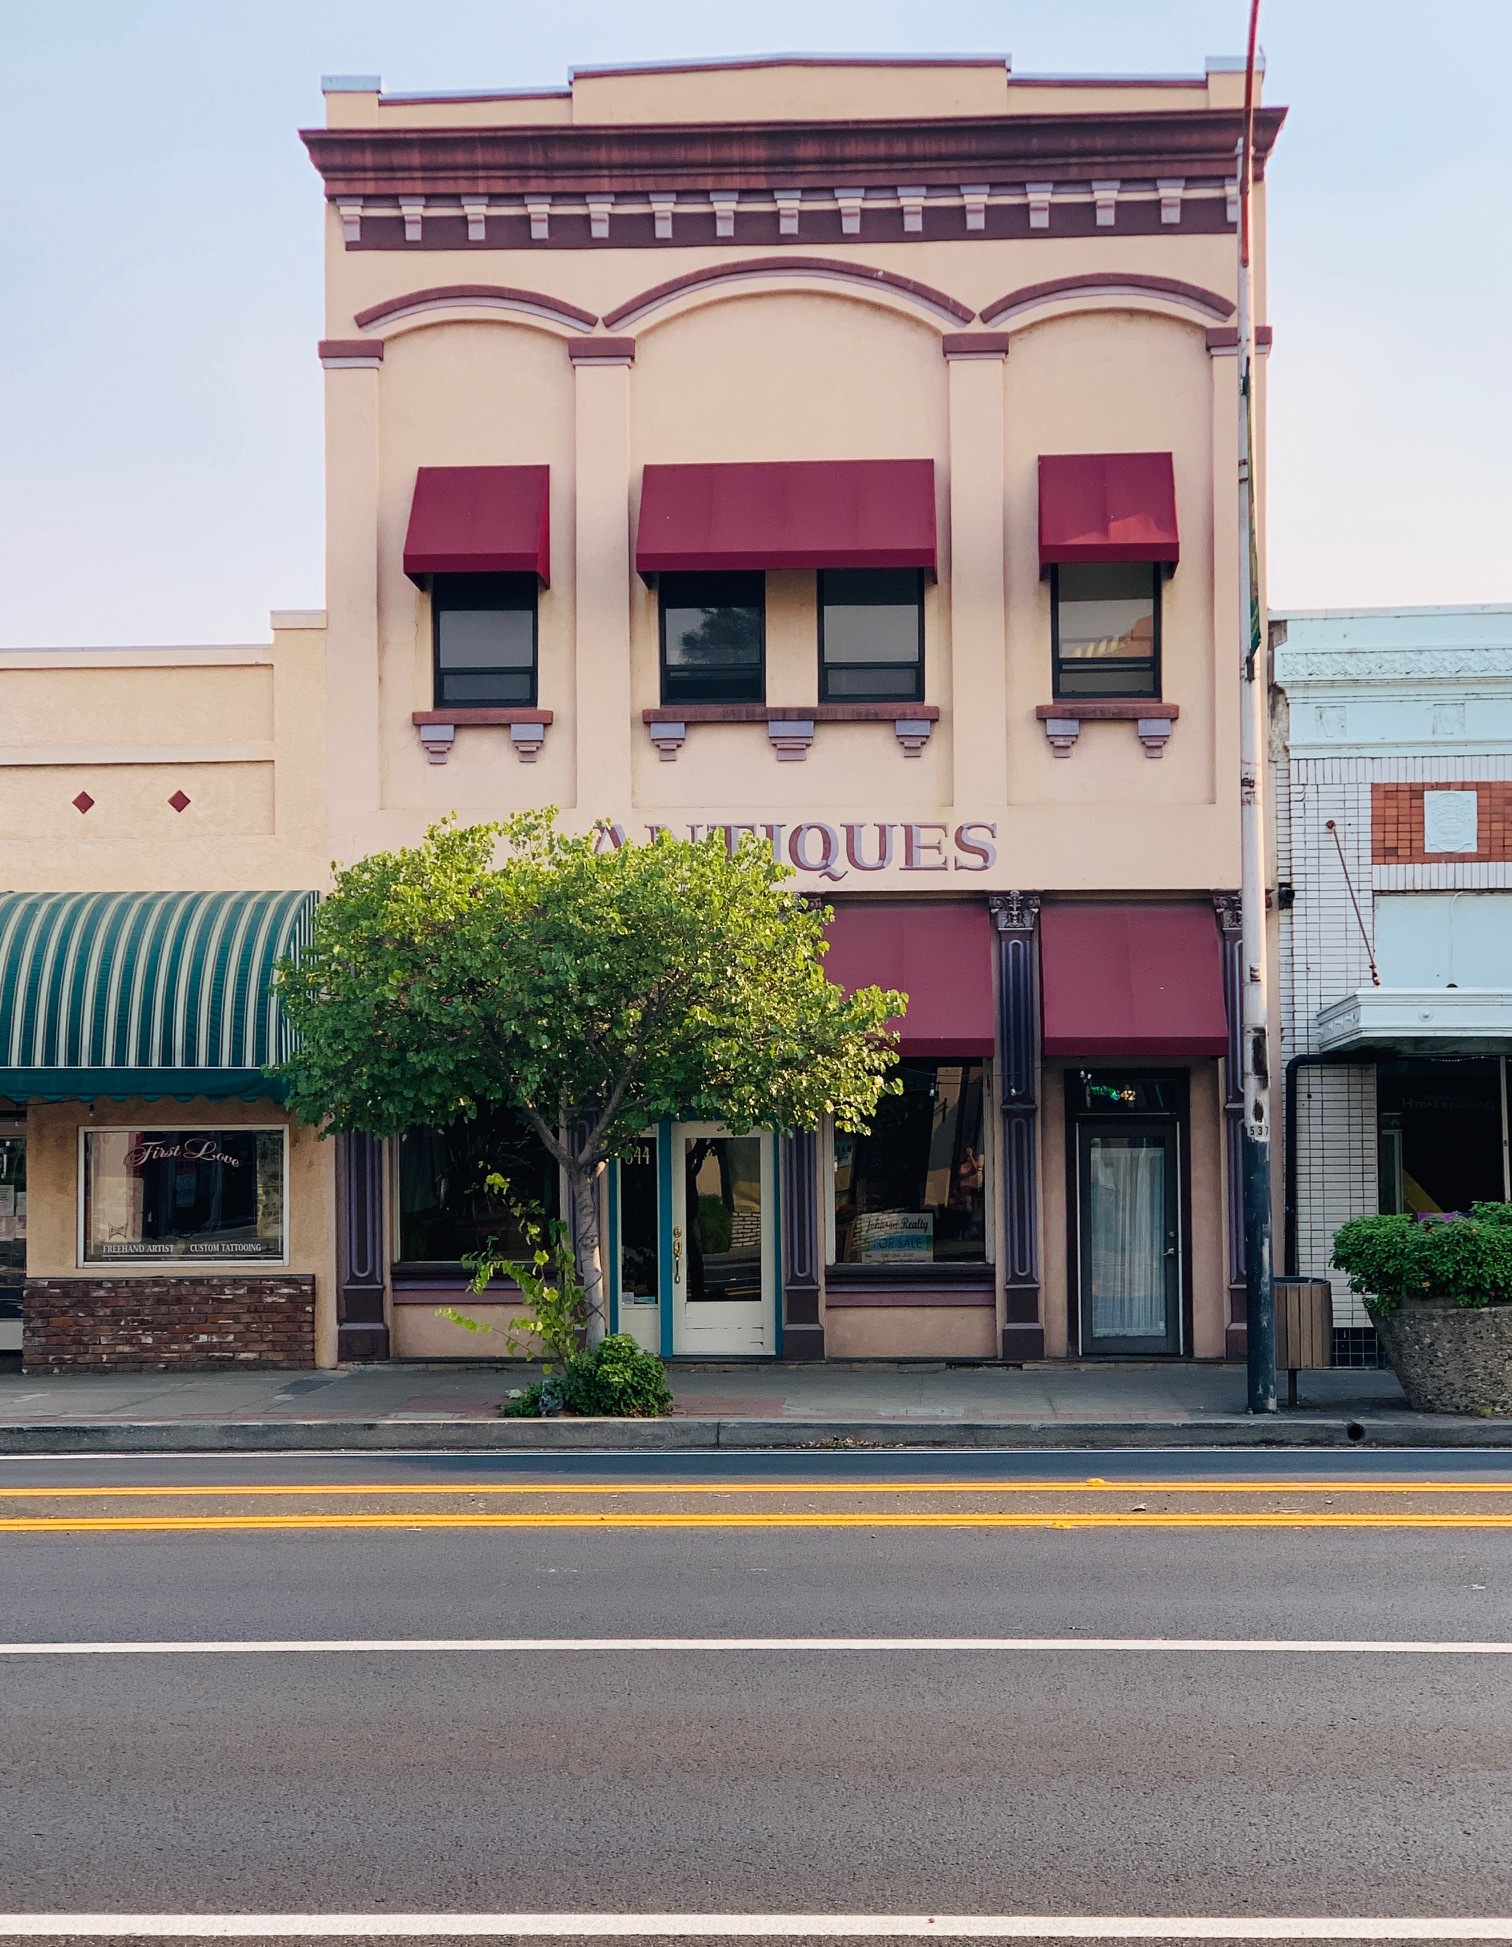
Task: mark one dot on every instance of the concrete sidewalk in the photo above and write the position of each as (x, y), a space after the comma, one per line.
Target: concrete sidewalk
(730, 1404)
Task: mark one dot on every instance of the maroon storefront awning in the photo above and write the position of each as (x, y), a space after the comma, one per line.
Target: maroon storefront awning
(480, 520)
(940, 956)
(1132, 980)
(787, 514)
(1107, 507)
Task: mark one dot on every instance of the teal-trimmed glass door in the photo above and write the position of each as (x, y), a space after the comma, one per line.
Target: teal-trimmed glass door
(636, 1240)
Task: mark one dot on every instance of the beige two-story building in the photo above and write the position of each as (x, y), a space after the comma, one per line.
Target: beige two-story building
(842, 451)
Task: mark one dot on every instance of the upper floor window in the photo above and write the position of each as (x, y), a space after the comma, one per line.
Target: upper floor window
(485, 640)
(871, 635)
(713, 638)
(1106, 628)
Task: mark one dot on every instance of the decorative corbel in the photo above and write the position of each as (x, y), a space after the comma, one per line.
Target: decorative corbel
(974, 195)
(850, 201)
(791, 737)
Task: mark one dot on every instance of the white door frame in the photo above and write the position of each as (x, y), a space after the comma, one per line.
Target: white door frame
(729, 1330)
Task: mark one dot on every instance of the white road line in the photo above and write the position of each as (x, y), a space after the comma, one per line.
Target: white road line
(685, 1926)
(553, 1645)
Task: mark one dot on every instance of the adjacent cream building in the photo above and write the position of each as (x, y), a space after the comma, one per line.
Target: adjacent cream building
(840, 450)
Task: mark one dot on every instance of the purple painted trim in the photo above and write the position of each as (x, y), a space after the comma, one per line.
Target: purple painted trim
(916, 1297)
(449, 294)
(1109, 283)
(836, 267)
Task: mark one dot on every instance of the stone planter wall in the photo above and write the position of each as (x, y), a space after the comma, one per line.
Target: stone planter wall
(1450, 1358)
(187, 1324)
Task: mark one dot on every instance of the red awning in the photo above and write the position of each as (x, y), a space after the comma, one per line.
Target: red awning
(1107, 507)
(1132, 980)
(940, 956)
(480, 520)
(787, 514)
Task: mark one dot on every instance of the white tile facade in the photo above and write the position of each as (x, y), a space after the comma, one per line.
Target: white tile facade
(1366, 697)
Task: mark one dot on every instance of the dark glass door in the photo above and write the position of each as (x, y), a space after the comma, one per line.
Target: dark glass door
(1129, 1236)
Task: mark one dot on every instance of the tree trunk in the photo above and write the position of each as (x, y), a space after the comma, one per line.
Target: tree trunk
(585, 1244)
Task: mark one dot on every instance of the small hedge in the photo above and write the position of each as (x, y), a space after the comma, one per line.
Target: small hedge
(1462, 1260)
(615, 1379)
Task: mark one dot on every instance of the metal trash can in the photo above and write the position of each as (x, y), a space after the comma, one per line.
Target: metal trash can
(1304, 1328)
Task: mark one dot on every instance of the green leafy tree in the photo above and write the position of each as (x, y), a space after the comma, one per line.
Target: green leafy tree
(591, 985)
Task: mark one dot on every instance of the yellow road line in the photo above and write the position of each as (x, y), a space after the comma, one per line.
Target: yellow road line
(775, 1487)
(1069, 1518)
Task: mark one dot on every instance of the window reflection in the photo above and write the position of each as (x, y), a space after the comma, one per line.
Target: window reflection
(914, 1190)
(1107, 628)
(712, 628)
(446, 1211)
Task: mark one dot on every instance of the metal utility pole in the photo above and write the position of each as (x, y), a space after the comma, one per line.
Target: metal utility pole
(1260, 1317)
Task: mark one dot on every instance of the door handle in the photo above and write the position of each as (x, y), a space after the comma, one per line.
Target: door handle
(676, 1254)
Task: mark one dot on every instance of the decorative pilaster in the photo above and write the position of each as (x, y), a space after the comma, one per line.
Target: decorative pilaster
(361, 1330)
(975, 364)
(601, 380)
(802, 1327)
(1230, 925)
(1015, 915)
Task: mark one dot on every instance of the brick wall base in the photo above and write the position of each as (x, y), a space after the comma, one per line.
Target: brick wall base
(168, 1324)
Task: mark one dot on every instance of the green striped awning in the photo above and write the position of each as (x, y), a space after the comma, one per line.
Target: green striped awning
(143, 993)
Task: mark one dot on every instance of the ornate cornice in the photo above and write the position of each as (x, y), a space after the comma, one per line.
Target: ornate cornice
(1390, 665)
(454, 161)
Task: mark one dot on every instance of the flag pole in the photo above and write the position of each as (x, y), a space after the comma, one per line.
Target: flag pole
(1260, 1319)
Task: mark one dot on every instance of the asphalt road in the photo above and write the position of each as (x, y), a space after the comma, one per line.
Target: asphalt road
(1003, 1781)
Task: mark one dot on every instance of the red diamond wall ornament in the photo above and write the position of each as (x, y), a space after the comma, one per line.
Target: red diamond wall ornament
(179, 801)
(83, 802)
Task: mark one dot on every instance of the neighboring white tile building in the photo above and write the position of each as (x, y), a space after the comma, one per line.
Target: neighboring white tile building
(1392, 746)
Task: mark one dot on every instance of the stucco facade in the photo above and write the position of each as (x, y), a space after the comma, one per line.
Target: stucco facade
(769, 266)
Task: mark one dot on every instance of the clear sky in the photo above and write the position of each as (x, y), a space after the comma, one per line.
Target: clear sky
(160, 466)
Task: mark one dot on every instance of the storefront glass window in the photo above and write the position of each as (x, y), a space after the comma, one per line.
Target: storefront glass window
(446, 1210)
(712, 638)
(12, 1210)
(183, 1194)
(1106, 628)
(914, 1191)
(1440, 1137)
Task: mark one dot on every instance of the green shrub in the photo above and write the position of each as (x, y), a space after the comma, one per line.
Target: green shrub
(615, 1379)
(1462, 1260)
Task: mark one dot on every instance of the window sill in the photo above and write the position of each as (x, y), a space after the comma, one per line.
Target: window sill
(420, 1283)
(892, 1286)
(790, 726)
(438, 729)
(963, 1273)
(1151, 718)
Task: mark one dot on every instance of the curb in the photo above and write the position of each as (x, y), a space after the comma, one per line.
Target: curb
(715, 1435)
